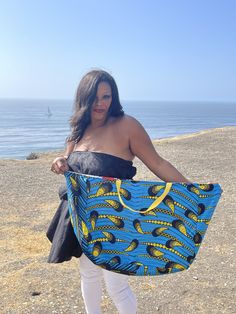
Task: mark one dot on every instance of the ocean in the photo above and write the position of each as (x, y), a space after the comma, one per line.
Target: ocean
(28, 125)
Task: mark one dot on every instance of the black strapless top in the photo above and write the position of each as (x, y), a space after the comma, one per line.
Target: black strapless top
(60, 231)
(101, 164)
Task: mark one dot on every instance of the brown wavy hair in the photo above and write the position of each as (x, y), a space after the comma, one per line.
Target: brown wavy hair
(85, 96)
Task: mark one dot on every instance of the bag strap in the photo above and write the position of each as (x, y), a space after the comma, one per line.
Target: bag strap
(153, 205)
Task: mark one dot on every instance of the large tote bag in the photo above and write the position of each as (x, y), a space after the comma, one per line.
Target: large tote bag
(140, 227)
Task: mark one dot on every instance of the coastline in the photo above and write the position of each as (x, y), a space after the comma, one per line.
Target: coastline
(42, 154)
(190, 135)
(29, 199)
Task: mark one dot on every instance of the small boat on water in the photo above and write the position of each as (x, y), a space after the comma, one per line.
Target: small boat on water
(49, 113)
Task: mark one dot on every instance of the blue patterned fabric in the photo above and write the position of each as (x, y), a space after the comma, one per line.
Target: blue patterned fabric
(121, 230)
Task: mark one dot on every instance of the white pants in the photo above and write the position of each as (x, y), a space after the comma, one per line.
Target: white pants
(117, 286)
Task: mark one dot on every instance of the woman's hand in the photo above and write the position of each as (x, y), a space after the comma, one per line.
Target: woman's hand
(59, 165)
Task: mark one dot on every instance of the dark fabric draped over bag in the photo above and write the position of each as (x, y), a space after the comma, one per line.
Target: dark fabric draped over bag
(60, 231)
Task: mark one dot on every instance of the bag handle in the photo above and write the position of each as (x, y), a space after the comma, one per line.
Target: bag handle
(153, 205)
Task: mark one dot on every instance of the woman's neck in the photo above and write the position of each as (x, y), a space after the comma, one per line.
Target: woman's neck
(98, 123)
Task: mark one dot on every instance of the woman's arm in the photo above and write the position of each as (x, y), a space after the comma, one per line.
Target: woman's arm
(142, 147)
(69, 148)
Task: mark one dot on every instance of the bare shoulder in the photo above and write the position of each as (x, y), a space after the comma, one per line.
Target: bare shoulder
(130, 123)
(129, 128)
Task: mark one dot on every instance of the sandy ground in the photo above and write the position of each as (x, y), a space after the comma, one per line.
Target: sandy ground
(28, 199)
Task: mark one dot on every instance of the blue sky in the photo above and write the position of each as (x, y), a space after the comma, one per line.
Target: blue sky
(156, 50)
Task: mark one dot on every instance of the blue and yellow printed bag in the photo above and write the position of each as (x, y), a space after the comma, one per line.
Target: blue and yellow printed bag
(140, 227)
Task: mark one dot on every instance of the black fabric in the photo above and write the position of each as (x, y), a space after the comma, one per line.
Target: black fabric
(60, 231)
(101, 164)
(61, 234)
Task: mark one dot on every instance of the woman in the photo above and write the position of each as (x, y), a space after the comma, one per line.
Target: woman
(104, 141)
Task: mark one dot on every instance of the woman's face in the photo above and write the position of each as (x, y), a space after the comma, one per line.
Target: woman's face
(102, 102)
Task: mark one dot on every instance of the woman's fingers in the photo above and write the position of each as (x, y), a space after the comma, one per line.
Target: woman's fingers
(63, 167)
(59, 165)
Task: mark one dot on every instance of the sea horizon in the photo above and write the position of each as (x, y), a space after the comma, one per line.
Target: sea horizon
(124, 100)
(41, 125)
